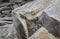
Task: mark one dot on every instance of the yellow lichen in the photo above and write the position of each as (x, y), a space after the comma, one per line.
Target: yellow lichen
(42, 35)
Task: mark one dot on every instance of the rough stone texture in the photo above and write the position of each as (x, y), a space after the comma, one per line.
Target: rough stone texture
(34, 9)
(30, 10)
(42, 33)
(7, 29)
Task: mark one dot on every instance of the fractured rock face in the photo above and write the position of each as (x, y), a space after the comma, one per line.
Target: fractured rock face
(31, 23)
(51, 24)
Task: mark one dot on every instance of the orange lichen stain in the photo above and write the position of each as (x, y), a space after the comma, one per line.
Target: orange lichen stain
(42, 35)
